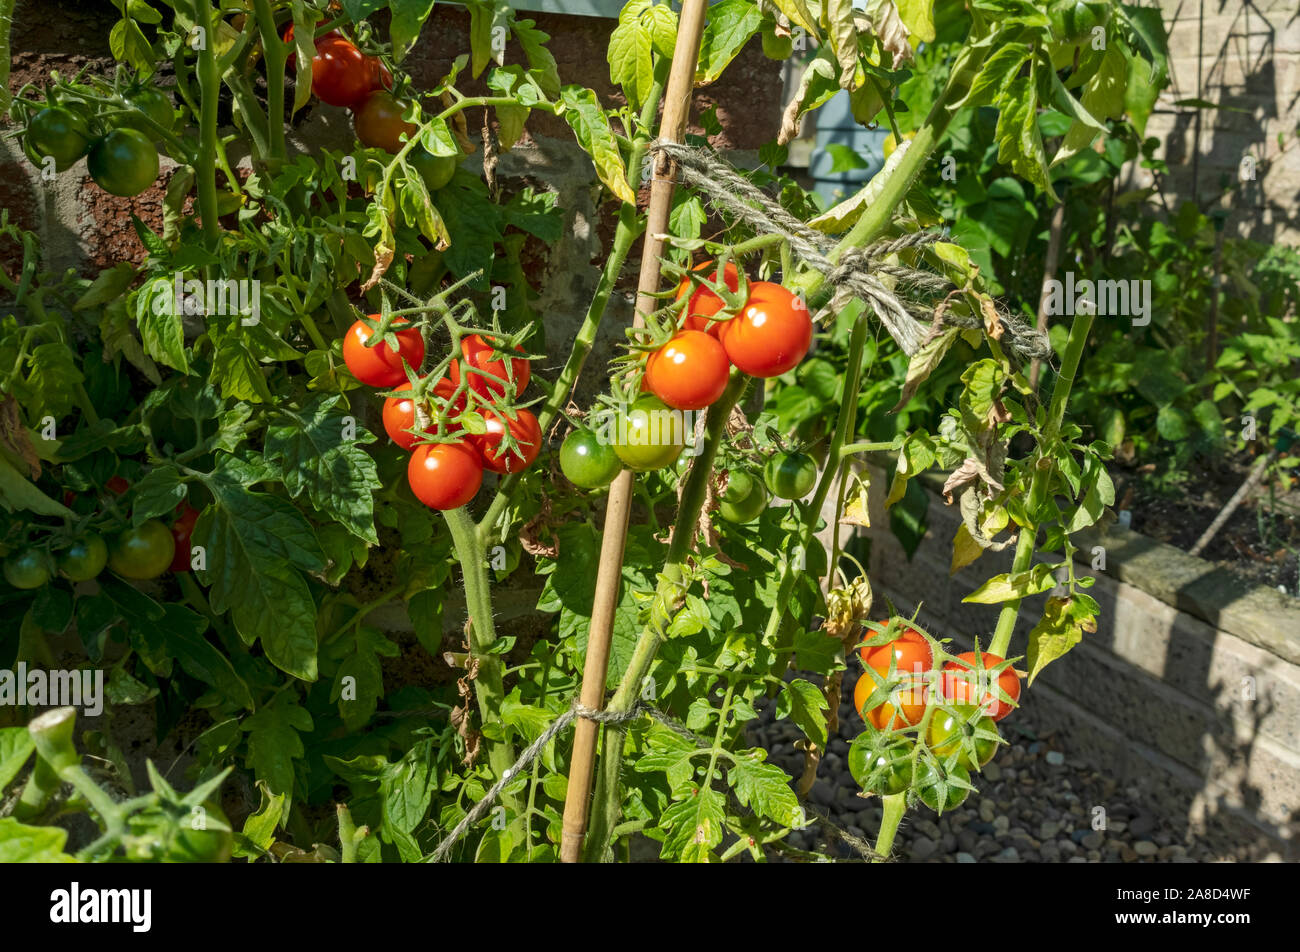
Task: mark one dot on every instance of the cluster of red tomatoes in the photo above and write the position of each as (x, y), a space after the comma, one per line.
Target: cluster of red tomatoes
(448, 475)
(341, 75)
(140, 552)
(971, 685)
(768, 336)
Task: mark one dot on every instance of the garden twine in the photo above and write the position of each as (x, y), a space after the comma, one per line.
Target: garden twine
(858, 272)
(576, 710)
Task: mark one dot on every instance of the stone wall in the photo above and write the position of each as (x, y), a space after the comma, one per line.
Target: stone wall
(1247, 56)
(1191, 684)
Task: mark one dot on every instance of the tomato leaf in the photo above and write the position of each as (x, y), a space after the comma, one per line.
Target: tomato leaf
(1061, 628)
(730, 26)
(319, 448)
(274, 742)
(764, 787)
(591, 128)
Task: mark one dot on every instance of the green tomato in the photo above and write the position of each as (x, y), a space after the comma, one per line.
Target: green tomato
(790, 475)
(212, 844)
(586, 461)
(436, 170)
(744, 499)
(935, 787)
(29, 568)
(964, 733)
(154, 104)
(777, 47)
(85, 558)
(124, 162)
(649, 435)
(60, 134)
(880, 767)
(143, 552)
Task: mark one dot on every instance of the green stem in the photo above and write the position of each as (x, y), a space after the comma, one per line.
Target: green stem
(489, 690)
(347, 834)
(895, 807)
(844, 426)
(1079, 331)
(274, 55)
(209, 95)
(608, 799)
(852, 449)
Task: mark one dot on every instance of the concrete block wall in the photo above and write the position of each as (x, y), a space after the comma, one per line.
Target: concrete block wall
(1200, 701)
(1248, 56)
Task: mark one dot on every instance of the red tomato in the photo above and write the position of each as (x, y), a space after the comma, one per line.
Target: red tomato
(291, 60)
(341, 74)
(117, 485)
(444, 475)
(399, 413)
(963, 683)
(689, 372)
(182, 529)
(379, 124)
(479, 353)
(526, 433)
(378, 366)
(771, 333)
(911, 655)
(704, 303)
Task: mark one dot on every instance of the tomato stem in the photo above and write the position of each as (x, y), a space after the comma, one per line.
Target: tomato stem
(489, 690)
(274, 55)
(1080, 328)
(209, 98)
(895, 806)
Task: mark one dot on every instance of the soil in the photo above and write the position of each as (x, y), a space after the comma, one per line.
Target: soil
(1260, 541)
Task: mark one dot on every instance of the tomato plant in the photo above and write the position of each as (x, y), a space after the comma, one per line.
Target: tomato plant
(423, 263)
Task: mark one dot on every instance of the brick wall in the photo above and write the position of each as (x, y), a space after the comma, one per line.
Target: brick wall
(1248, 56)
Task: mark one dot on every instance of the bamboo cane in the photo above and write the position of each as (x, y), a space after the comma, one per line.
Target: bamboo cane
(672, 128)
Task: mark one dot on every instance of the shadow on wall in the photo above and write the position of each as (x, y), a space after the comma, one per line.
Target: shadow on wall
(1250, 54)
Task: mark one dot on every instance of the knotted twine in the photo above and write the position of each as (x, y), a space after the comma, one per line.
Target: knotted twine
(858, 272)
(576, 710)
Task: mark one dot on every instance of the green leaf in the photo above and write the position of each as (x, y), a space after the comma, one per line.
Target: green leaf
(319, 448)
(183, 634)
(159, 320)
(918, 17)
(730, 26)
(630, 63)
(694, 826)
(359, 681)
(1061, 628)
(1020, 143)
(255, 543)
(487, 20)
(817, 652)
(157, 493)
(404, 28)
(274, 742)
(406, 788)
(18, 494)
(804, 703)
(20, 843)
(1005, 587)
(672, 755)
(921, 364)
(764, 788)
(15, 747)
(591, 128)
(108, 285)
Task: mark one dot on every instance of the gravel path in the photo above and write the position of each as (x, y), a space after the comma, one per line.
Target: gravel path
(1036, 804)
